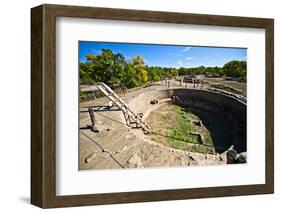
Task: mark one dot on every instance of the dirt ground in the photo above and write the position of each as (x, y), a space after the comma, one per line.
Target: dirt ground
(231, 86)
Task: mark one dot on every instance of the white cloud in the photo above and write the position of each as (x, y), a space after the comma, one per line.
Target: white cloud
(189, 58)
(186, 49)
(170, 54)
(180, 62)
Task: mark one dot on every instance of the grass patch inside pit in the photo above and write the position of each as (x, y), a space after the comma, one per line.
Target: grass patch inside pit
(174, 127)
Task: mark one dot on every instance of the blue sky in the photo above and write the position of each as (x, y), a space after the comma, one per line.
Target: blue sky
(167, 55)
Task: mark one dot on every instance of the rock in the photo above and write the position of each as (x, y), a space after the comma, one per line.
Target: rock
(231, 156)
(124, 148)
(192, 163)
(198, 123)
(140, 114)
(134, 161)
(223, 157)
(105, 155)
(154, 102)
(101, 129)
(107, 150)
(175, 98)
(90, 157)
(242, 157)
(95, 129)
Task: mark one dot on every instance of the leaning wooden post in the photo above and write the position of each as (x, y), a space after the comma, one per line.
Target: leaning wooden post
(92, 117)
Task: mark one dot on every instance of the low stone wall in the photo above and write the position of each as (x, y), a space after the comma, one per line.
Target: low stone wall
(216, 103)
(210, 101)
(141, 103)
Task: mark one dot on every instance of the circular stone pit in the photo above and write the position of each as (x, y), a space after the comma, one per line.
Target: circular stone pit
(222, 115)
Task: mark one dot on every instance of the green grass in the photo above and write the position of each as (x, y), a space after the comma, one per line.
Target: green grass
(180, 137)
(181, 131)
(208, 139)
(176, 125)
(202, 149)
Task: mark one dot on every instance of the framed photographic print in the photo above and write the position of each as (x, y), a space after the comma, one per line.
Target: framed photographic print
(136, 106)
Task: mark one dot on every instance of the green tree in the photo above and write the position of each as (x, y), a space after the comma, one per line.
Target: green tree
(154, 73)
(104, 67)
(128, 76)
(90, 57)
(138, 64)
(235, 69)
(174, 72)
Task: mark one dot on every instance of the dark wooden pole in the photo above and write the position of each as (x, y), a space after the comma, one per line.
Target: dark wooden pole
(92, 116)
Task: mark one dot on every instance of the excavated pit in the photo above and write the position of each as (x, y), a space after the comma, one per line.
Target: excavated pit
(223, 116)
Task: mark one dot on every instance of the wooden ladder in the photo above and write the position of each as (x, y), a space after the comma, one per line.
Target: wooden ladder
(130, 116)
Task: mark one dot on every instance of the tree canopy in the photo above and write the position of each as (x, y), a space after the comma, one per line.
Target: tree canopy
(235, 69)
